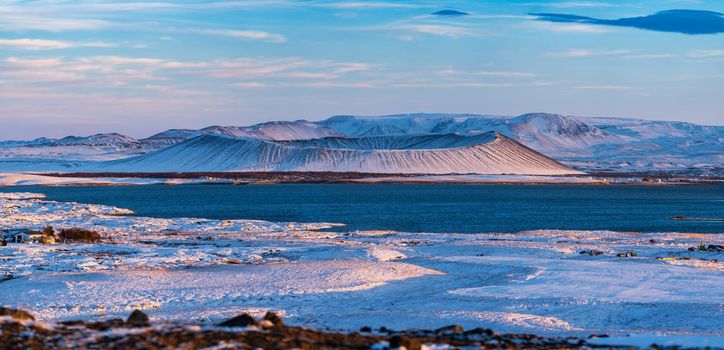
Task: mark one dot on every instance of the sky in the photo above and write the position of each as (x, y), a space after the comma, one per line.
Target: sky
(139, 67)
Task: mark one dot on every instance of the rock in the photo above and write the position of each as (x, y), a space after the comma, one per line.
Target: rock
(594, 336)
(16, 314)
(591, 252)
(452, 329)
(138, 319)
(486, 331)
(274, 319)
(691, 249)
(365, 330)
(399, 341)
(627, 254)
(266, 324)
(243, 320)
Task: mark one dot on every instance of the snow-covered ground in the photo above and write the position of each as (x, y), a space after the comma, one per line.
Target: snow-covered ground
(209, 270)
(22, 179)
(529, 179)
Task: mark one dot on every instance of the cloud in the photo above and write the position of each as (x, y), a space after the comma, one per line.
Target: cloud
(498, 74)
(575, 53)
(572, 4)
(248, 35)
(364, 5)
(450, 13)
(115, 71)
(677, 21)
(706, 53)
(446, 30)
(569, 27)
(43, 44)
(605, 87)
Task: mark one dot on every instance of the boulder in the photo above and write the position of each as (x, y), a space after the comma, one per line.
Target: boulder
(452, 329)
(243, 320)
(16, 314)
(138, 319)
(408, 343)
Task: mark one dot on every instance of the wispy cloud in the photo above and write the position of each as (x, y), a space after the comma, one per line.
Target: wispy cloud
(605, 87)
(446, 30)
(248, 35)
(44, 44)
(122, 70)
(498, 74)
(575, 53)
(706, 53)
(365, 4)
(568, 27)
(574, 4)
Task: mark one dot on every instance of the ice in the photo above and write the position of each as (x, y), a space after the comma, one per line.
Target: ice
(210, 270)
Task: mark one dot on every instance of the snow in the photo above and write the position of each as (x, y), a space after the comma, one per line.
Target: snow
(483, 179)
(19, 179)
(210, 270)
(589, 144)
(440, 154)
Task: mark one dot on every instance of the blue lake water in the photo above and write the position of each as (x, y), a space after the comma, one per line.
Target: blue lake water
(423, 208)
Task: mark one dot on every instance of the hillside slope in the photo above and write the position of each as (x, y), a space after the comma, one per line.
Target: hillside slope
(490, 153)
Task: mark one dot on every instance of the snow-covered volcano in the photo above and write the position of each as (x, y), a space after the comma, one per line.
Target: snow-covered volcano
(488, 153)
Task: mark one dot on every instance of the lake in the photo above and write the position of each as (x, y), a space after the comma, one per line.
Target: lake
(423, 208)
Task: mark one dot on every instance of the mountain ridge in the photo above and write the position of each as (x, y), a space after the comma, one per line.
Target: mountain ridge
(593, 144)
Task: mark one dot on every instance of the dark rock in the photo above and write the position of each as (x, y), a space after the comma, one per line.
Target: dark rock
(452, 329)
(243, 320)
(627, 254)
(16, 314)
(138, 319)
(399, 341)
(486, 331)
(591, 252)
(365, 330)
(593, 336)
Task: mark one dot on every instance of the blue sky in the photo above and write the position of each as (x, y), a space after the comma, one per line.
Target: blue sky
(137, 67)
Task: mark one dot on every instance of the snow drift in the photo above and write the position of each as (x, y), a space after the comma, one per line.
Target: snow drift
(488, 153)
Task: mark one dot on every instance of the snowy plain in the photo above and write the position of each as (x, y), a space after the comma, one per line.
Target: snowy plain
(210, 270)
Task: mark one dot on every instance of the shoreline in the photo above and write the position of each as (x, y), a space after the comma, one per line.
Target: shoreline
(268, 178)
(19, 330)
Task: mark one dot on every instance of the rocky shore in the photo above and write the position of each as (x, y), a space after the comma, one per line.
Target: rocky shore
(20, 330)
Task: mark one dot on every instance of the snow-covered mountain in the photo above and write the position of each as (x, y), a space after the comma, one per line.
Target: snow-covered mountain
(94, 147)
(276, 130)
(610, 144)
(615, 144)
(489, 153)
